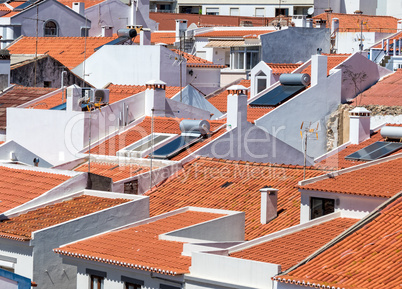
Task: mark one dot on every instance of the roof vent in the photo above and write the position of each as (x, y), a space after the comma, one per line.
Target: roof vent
(269, 204)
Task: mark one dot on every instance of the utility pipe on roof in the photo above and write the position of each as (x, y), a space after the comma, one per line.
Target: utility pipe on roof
(62, 84)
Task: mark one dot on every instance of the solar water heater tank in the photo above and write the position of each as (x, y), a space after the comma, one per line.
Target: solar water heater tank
(391, 132)
(295, 79)
(195, 126)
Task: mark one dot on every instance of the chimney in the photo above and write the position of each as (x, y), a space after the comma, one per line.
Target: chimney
(79, 7)
(318, 68)
(145, 36)
(309, 23)
(269, 204)
(335, 25)
(155, 97)
(181, 26)
(133, 11)
(358, 12)
(359, 127)
(236, 106)
(4, 69)
(107, 31)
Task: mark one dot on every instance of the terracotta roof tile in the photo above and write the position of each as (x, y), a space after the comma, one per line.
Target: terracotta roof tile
(113, 170)
(19, 95)
(139, 246)
(200, 184)
(15, 4)
(220, 100)
(294, 248)
(391, 39)
(234, 33)
(21, 227)
(352, 22)
(254, 113)
(4, 7)
(20, 186)
(161, 125)
(385, 92)
(194, 61)
(11, 13)
(333, 61)
(338, 161)
(280, 68)
(167, 20)
(368, 258)
(380, 180)
(160, 37)
(70, 51)
(88, 3)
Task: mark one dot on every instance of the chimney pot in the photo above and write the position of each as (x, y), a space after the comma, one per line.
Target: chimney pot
(359, 127)
(269, 204)
(155, 95)
(236, 106)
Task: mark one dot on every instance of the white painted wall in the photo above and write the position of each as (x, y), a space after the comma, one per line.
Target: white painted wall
(214, 271)
(250, 9)
(207, 80)
(117, 14)
(350, 206)
(132, 65)
(348, 42)
(19, 251)
(49, 272)
(377, 120)
(312, 105)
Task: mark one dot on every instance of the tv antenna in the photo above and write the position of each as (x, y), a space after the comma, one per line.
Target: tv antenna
(307, 131)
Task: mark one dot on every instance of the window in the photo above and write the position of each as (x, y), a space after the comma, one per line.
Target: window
(212, 11)
(131, 283)
(259, 12)
(234, 12)
(96, 278)
(51, 29)
(283, 11)
(320, 207)
(131, 187)
(96, 282)
(245, 57)
(261, 81)
(47, 84)
(84, 32)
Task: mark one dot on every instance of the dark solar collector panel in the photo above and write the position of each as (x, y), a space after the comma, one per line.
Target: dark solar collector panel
(375, 151)
(277, 95)
(174, 147)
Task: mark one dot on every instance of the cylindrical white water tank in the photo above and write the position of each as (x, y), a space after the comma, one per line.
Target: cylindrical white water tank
(295, 79)
(391, 132)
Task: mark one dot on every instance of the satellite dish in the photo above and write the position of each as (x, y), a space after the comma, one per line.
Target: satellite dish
(310, 11)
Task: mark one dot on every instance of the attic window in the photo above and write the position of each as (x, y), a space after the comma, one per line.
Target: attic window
(320, 207)
(51, 29)
(227, 184)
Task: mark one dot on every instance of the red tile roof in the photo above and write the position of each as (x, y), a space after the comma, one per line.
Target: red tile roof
(4, 7)
(167, 20)
(234, 33)
(70, 51)
(338, 161)
(385, 92)
(200, 184)
(11, 13)
(20, 186)
(15, 4)
(254, 113)
(369, 258)
(333, 61)
(294, 248)
(116, 93)
(280, 68)
(21, 227)
(220, 100)
(19, 95)
(160, 37)
(113, 170)
(161, 125)
(195, 61)
(352, 22)
(139, 246)
(88, 3)
(391, 40)
(379, 180)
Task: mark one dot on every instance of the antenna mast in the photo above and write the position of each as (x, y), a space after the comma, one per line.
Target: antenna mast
(305, 131)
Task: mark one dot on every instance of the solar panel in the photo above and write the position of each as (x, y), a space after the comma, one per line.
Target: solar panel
(60, 107)
(277, 95)
(147, 143)
(22, 6)
(174, 147)
(113, 42)
(375, 151)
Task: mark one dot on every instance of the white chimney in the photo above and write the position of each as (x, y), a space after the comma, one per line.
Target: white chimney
(335, 25)
(236, 106)
(4, 69)
(318, 68)
(79, 7)
(359, 127)
(269, 204)
(155, 97)
(107, 31)
(133, 11)
(181, 27)
(145, 36)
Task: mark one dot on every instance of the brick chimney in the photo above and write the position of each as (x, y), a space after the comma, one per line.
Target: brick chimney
(236, 106)
(359, 127)
(318, 68)
(155, 97)
(269, 204)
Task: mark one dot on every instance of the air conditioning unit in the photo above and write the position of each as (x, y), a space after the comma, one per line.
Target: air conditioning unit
(93, 95)
(99, 96)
